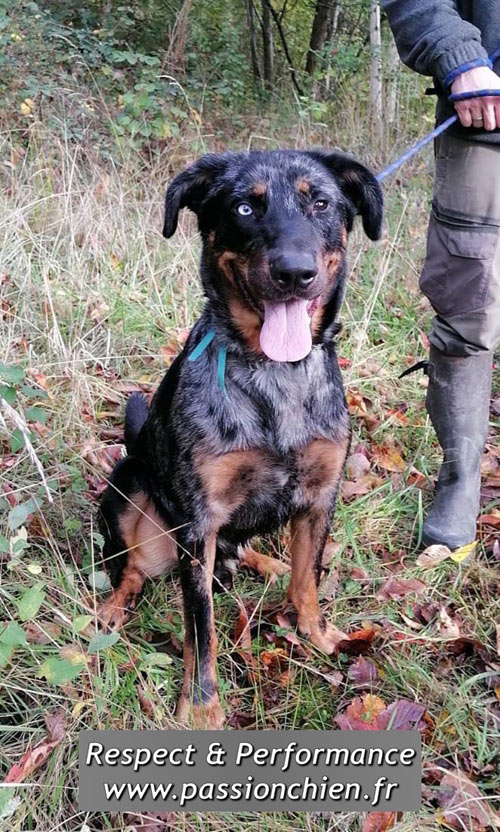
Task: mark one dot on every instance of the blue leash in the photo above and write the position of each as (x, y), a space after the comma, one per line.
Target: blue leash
(416, 148)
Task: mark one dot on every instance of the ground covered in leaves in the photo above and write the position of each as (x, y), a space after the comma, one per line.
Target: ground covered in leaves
(94, 304)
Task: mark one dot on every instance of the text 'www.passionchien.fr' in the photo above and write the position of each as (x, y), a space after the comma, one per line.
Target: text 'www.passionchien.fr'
(250, 770)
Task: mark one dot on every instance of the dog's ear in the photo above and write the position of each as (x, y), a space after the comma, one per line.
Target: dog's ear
(360, 187)
(190, 188)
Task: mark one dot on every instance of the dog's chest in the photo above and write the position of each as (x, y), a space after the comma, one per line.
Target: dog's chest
(273, 444)
(280, 407)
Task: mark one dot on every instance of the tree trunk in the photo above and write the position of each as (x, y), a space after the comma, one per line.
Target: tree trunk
(267, 45)
(175, 56)
(275, 16)
(333, 26)
(254, 54)
(318, 34)
(337, 7)
(376, 66)
(392, 81)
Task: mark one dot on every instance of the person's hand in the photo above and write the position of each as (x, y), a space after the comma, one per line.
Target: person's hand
(478, 112)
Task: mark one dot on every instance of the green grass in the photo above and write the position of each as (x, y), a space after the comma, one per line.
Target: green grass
(90, 295)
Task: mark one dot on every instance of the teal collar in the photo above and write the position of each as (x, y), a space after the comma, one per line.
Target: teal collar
(221, 358)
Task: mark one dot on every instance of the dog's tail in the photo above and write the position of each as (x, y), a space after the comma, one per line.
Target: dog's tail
(136, 413)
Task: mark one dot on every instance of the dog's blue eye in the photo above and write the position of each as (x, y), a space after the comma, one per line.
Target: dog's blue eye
(321, 205)
(244, 209)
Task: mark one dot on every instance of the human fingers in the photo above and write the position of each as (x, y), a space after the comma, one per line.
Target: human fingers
(489, 116)
(464, 113)
(476, 110)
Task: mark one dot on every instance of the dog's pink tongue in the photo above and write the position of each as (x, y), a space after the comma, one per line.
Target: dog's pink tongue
(286, 331)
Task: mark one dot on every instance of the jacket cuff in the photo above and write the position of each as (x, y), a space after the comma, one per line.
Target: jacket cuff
(448, 81)
(451, 63)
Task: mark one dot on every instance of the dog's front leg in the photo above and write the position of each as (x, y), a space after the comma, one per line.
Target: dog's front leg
(199, 701)
(320, 469)
(308, 536)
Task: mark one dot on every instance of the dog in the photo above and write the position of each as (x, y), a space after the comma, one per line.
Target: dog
(249, 429)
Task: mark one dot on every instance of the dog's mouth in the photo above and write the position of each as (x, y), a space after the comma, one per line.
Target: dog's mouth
(286, 331)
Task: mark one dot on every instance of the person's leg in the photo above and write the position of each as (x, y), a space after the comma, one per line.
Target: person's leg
(461, 278)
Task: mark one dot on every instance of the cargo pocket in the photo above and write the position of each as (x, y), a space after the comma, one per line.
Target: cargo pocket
(458, 267)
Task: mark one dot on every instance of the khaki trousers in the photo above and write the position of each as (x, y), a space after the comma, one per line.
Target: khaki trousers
(461, 274)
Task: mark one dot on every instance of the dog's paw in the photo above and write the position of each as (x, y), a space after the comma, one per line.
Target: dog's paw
(326, 637)
(114, 612)
(270, 568)
(208, 716)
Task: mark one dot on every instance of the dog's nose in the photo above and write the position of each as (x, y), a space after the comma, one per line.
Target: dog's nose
(293, 271)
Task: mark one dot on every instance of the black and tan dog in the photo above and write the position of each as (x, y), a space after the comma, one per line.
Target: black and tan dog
(249, 428)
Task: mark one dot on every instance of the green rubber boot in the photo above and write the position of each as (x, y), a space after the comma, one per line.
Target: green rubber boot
(458, 401)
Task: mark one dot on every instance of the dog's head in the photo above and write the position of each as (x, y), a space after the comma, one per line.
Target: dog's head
(275, 226)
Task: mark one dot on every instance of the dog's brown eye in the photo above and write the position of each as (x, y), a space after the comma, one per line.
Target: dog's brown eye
(244, 209)
(321, 205)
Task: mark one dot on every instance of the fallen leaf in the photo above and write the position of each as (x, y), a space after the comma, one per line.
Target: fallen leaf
(170, 350)
(274, 660)
(285, 679)
(388, 459)
(102, 458)
(378, 821)
(363, 673)
(356, 403)
(359, 574)
(335, 679)
(416, 478)
(425, 613)
(424, 339)
(369, 713)
(145, 702)
(447, 627)
(489, 465)
(329, 552)
(433, 555)
(398, 414)
(145, 821)
(357, 464)
(360, 487)
(357, 642)
(461, 802)
(36, 757)
(74, 653)
(55, 722)
(364, 714)
(243, 638)
(242, 634)
(43, 633)
(404, 715)
(329, 585)
(492, 519)
(397, 588)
